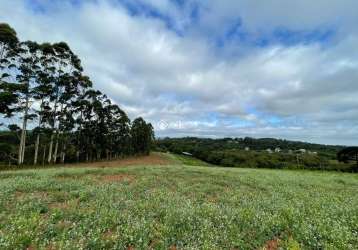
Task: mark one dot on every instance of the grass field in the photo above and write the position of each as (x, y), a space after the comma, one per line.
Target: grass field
(177, 206)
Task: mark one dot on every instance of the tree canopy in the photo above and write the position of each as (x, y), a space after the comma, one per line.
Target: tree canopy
(44, 87)
(348, 154)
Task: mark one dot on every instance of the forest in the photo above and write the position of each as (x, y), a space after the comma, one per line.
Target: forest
(258, 153)
(50, 113)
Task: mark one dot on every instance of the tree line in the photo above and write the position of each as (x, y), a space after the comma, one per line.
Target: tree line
(251, 153)
(63, 118)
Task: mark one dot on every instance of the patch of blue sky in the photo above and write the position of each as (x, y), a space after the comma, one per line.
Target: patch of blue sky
(180, 3)
(274, 120)
(192, 7)
(236, 32)
(36, 6)
(42, 7)
(137, 8)
(291, 37)
(173, 97)
(194, 13)
(228, 120)
(271, 119)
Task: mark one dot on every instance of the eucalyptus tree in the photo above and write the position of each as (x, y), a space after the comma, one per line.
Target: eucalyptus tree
(89, 106)
(74, 114)
(8, 57)
(29, 67)
(42, 92)
(142, 136)
(118, 140)
(102, 127)
(81, 107)
(46, 82)
(66, 66)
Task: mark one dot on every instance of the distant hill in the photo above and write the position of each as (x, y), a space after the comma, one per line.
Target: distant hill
(256, 153)
(251, 143)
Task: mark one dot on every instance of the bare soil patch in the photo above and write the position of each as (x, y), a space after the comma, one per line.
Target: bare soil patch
(153, 159)
(272, 244)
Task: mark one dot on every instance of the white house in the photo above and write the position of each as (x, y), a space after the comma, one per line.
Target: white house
(269, 151)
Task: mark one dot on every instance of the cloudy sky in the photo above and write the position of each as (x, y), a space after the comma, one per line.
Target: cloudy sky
(273, 68)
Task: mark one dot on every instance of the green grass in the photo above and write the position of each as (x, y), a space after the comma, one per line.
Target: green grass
(187, 160)
(189, 207)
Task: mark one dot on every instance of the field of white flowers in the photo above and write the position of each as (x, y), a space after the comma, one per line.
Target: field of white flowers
(177, 207)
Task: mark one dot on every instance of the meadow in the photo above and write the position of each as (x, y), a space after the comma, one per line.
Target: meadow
(177, 205)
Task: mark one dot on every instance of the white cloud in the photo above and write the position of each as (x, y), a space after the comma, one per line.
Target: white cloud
(152, 71)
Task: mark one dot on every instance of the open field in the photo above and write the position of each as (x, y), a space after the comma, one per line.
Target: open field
(168, 205)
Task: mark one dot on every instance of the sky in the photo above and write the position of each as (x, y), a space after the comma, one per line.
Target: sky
(219, 68)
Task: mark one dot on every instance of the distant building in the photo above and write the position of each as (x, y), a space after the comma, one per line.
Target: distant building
(247, 149)
(302, 151)
(269, 151)
(277, 150)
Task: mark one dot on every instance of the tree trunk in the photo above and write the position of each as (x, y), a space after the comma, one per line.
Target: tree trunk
(36, 148)
(20, 147)
(53, 132)
(78, 156)
(63, 152)
(57, 137)
(23, 133)
(49, 159)
(44, 156)
(37, 144)
(56, 148)
(24, 146)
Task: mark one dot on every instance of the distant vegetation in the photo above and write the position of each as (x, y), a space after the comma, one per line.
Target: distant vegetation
(62, 118)
(348, 154)
(258, 153)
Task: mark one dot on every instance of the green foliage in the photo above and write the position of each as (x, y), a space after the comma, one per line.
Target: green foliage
(178, 206)
(73, 122)
(8, 51)
(189, 160)
(231, 153)
(348, 154)
(8, 35)
(142, 135)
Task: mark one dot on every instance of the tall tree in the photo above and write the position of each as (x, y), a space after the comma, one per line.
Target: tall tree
(8, 56)
(42, 92)
(29, 67)
(45, 82)
(66, 66)
(142, 136)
